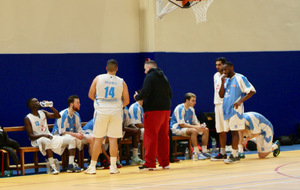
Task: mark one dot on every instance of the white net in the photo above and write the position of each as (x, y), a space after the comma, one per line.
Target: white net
(200, 9)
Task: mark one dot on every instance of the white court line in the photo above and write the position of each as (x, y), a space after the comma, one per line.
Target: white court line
(255, 185)
(176, 183)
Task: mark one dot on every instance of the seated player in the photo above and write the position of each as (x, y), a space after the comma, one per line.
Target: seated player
(37, 129)
(260, 128)
(132, 126)
(185, 123)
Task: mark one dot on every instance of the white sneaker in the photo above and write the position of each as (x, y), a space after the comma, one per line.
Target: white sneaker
(114, 170)
(53, 169)
(90, 170)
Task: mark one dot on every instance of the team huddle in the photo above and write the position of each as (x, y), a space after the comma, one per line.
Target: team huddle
(148, 119)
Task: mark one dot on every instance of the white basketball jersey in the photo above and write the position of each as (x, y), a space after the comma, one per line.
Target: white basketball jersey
(217, 86)
(109, 91)
(39, 124)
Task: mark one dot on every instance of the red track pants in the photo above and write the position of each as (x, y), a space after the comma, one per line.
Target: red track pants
(156, 138)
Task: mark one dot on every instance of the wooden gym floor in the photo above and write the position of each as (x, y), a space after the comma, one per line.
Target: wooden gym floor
(282, 172)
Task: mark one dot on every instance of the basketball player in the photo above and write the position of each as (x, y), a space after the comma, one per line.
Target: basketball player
(131, 128)
(37, 129)
(218, 101)
(156, 93)
(70, 124)
(184, 122)
(260, 128)
(233, 89)
(110, 95)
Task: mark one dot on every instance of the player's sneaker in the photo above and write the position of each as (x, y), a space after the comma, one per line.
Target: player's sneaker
(166, 167)
(143, 167)
(232, 160)
(90, 170)
(276, 152)
(114, 170)
(53, 169)
(74, 168)
(174, 160)
(136, 161)
(198, 156)
(207, 155)
(219, 157)
(241, 155)
(99, 167)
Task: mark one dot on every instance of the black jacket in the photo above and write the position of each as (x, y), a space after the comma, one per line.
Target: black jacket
(156, 91)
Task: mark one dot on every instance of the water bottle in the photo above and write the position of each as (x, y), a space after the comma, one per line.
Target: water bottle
(57, 165)
(186, 154)
(8, 173)
(46, 104)
(214, 145)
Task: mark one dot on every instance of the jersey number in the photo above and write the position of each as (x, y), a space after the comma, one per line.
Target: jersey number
(109, 91)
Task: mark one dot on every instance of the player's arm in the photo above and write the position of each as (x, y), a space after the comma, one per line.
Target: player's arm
(146, 89)
(246, 97)
(92, 91)
(139, 125)
(125, 95)
(29, 131)
(54, 115)
(222, 88)
(245, 141)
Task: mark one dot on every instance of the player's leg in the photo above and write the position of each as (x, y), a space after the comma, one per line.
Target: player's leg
(205, 136)
(163, 156)
(46, 145)
(193, 133)
(70, 142)
(135, 134)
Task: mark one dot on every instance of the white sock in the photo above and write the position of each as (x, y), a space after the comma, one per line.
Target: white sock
(51, 161)
(134, 152)
(241, 148)
(71, 159)
(222, 151)
(204, 149)
(113, 162)
(93, 163)
(234, 153)
(196, 149)
(274, 147)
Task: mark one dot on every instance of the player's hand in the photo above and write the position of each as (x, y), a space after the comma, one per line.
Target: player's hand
(135, 94)
(237, 104)
(223, 78)
(49, 137)
(244, 143)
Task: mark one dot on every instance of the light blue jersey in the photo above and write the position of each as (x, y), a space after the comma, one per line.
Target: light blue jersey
(182, 115)
(67, 123)
(235, 89)
(137, 113)
(88, 128)
(126, 117)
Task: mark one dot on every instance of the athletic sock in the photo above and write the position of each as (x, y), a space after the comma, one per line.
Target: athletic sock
(134, 152)
(204, 149)
(51, 161)
(113, 162)
(235, 153)
(71, 159)
(241, 148)
(274, 147)
(196, 149)
(222, 151)
(93, 163)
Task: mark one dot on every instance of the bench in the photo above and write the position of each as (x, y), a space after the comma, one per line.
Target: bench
(179, 138)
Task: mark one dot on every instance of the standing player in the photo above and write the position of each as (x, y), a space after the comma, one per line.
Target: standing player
(184, 122)
(110, 95)
(218, 101)
(260, 128)
(233, 89)
(156, 93)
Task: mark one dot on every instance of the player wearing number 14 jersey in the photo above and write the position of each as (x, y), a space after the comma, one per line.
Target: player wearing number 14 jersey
(110, 95)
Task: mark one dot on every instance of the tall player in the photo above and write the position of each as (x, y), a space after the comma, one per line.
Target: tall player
(110, 94)
(218, 101)
(260, 128)
(233, 89)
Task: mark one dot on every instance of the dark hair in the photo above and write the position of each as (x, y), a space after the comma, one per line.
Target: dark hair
(112, 65)
(188, 96)
(28, 102)
(228, 63)
(222, 59)
(139, 91)
(152, 63)
(71, 99)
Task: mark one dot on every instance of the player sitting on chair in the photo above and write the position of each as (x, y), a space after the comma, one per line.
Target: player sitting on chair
(132, 126)
(260, 128)
(185, 123)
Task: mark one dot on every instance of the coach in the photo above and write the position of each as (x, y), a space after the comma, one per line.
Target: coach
(157, 94)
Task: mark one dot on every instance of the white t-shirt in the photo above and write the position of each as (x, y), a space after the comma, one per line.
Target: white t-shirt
(109, 91)
(217, 86)
(39, 124)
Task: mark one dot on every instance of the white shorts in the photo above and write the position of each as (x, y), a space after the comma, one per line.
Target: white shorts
(219, 118)
(142, 133)
(108, 125)
(262, 145)
(182, 132)
(235, 123)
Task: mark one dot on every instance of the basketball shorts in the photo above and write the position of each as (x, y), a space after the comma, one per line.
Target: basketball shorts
(108, 125)
(219, 118)
(264, 145)
(182, 131)
(234, 123)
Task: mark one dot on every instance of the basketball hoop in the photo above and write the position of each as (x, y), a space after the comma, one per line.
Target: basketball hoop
(199, 7)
